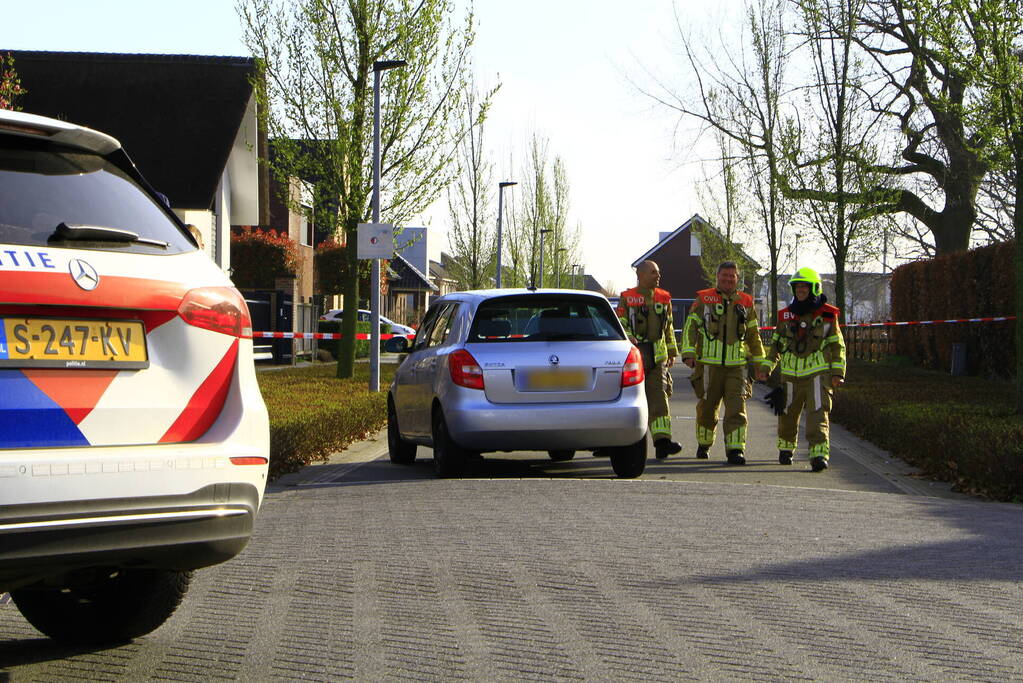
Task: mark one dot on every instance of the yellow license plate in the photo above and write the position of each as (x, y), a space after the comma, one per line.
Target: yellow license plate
(558, 380)
(70, 343)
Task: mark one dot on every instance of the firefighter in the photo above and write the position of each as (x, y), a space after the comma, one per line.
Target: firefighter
(808, 341)
(645, 312)
(721, 336)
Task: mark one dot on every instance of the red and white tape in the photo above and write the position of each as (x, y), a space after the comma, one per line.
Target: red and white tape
(320, 335)
(903, 323)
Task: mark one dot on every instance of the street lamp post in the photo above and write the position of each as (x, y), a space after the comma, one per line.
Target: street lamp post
(540, 278)
(500, 213)
(374, 301)
(557, 262)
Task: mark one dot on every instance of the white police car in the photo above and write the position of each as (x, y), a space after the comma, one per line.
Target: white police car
(134, 441)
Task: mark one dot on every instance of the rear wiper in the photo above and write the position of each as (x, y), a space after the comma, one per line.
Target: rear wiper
(98, 233)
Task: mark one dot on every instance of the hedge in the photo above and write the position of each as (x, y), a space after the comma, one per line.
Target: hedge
(314, 414)
(957, 429)
(971, 284)
(361, 345)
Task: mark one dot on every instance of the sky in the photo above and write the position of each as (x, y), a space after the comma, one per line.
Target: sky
(567, 70)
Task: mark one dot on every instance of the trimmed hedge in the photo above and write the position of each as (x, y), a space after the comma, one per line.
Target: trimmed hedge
(970, 284)
(957, 429)
(314, 414)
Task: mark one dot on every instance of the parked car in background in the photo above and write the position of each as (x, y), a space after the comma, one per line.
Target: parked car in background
(134, 441)
(510, 370)
(406, 333)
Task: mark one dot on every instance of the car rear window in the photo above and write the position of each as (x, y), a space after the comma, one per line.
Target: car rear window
(43, 185)
(544, 317)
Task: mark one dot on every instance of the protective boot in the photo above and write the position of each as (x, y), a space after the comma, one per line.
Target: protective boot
(818, 464)
(785, 457)
(664, 447)
(702, 452)
(735, 457)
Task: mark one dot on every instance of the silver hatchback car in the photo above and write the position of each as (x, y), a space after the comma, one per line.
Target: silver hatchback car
(511, 370)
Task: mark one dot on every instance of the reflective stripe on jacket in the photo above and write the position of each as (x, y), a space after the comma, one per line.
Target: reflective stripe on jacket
(808, 344)
(646, 316)
(722, 330)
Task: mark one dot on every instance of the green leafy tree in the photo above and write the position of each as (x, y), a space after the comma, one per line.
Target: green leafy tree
(315, 97)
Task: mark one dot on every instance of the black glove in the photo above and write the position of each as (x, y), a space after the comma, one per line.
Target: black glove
(776, 399)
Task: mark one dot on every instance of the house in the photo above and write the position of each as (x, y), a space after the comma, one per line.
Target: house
(188, 122)
(677, 253)
(441, 276)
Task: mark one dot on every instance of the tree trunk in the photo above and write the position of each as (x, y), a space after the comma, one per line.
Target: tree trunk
(1017, 221)
(346, 349)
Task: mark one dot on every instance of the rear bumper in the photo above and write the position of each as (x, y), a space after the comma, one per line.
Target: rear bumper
(477, 424)
(45, 541)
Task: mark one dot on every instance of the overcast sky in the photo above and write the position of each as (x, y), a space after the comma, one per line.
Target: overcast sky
(565, 68)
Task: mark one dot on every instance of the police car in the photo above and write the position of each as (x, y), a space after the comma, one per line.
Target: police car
(134, 442)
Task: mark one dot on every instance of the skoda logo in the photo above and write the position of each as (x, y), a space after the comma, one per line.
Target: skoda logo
(554, 359)
(84, 275)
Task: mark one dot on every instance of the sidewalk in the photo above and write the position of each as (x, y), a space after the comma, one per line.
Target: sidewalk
(855, 464)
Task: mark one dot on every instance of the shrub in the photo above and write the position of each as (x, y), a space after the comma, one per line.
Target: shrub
(258, 257)
(957, 429)
(314, 414)
(970, 284)
(361, 345)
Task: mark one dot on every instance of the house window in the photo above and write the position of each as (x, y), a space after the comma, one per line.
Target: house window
(306, 223)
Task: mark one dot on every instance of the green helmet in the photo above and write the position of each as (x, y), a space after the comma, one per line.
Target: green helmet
(810, 277)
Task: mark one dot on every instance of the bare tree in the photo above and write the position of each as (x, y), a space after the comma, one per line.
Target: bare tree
(471, 233)
(740, 91)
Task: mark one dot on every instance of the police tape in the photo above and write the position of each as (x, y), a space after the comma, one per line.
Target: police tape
(320, 335)
(907, 323)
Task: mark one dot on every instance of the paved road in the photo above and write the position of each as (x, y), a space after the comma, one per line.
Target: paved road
(360, 569)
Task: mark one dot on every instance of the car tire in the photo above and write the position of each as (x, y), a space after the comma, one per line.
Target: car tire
(402, 344)
(560, 455)
(448, 457)
(119, 607)
(402, 452)
(628, 462)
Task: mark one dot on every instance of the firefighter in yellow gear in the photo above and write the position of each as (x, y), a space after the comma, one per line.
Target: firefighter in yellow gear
(809, 346)
(645, 312)
(721, 336)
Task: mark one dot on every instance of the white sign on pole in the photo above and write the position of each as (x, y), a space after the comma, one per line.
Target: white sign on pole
(376, 240)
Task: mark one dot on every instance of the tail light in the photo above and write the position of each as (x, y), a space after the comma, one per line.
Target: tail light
(220, 309)
(465, 371)
(632, 372)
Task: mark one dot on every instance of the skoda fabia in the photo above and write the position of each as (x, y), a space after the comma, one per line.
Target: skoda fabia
(134, 441)
(514, 370)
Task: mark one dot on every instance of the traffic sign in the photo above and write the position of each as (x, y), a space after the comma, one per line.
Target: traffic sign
(376, 241)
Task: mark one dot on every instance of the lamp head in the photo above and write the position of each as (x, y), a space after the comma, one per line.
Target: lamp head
(385, 64)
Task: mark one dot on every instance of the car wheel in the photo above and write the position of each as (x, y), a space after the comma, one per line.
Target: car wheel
(118, 607)
(628, 462)
(448, 456)
(560, 454)
(402, 452)
(402, 344)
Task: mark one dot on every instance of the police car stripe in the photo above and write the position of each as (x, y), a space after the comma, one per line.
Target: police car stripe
(31, 419)
(58, 289)
(204, 407)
